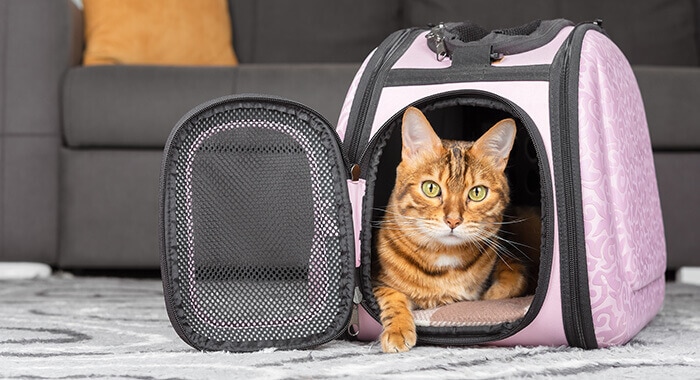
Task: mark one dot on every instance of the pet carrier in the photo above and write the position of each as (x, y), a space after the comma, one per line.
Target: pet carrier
(267, 210)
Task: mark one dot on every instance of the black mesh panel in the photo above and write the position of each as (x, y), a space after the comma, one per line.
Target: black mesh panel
(469, 32)
(522, 30)
(262, 259)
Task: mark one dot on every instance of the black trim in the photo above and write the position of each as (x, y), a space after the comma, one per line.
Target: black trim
(414, 77)
(576, 307)
(369, 163)
(364, 104)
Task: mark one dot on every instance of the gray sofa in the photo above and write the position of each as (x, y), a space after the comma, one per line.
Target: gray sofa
(80, 147)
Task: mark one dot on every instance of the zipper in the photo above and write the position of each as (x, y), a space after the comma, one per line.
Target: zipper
(370, 89)
(353, 327)
(453, 337)
(436, 37)
(355, 170)
(351, 172)
(510, 328)
(569, 196)
(576, 331)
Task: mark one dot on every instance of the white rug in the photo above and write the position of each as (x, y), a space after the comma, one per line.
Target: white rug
(108, 328)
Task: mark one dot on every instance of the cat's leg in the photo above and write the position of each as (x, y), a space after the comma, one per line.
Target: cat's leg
(508, 280)
(399, 333)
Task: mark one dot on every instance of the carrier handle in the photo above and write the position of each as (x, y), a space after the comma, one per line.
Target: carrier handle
(465, 42)
(453, 42)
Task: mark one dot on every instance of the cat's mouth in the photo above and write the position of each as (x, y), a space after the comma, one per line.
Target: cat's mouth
(452, 238)
(446, 236)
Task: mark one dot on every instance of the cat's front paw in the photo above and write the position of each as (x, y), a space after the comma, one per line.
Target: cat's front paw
(398, 339)
(499, 291)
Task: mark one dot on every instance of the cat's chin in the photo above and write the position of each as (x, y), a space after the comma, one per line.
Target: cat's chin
(450, 240)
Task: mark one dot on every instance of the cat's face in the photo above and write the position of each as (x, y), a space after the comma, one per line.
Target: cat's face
(451, 193)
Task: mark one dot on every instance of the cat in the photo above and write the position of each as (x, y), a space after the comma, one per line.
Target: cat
(438, 242)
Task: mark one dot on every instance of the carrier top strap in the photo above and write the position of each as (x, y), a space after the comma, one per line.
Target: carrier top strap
(468, 43)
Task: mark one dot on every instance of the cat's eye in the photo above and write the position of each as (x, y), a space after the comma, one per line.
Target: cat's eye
(430, 189)
(477, 193)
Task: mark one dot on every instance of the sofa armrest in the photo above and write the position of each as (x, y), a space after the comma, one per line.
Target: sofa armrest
(39, 40)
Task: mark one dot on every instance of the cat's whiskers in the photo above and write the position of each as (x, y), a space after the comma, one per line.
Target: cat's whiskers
(498, 244)
(417, 229)
(499, 250)
(501, 238)
(494, 241)
(505, 222)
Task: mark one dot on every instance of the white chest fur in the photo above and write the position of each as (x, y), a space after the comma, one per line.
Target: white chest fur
(448, 261)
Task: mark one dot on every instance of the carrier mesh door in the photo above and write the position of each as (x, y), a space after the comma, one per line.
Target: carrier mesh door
(257, 247)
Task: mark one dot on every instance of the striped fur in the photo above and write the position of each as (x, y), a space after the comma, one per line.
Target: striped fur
(443, 249)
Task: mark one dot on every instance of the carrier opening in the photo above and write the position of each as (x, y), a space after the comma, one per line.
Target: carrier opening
(466, 117)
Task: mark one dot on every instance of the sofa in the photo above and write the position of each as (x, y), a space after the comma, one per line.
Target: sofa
(81, 146)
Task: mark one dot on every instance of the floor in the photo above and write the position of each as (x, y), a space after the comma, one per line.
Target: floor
(81, 327)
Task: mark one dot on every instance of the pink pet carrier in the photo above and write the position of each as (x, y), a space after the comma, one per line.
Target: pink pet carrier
(268, 213)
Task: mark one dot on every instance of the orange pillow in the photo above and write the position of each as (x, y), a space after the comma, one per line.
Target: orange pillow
(158, 32)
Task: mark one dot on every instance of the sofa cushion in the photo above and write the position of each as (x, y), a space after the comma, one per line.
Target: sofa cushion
(658, 32)
(320, 86)
(137, 106)
(302, 31)
(169, 32)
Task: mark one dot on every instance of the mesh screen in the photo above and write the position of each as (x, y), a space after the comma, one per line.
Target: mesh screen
(468, 32)
(522, 30)
(261, 254)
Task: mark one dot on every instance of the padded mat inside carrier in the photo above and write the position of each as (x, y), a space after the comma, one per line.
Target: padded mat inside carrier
(474, 313)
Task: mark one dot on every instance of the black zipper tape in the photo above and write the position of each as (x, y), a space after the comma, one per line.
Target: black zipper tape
(464, 335)
(576, 307)
(421, 77)
(373, 78)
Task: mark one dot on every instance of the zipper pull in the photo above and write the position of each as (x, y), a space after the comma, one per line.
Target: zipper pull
(436, 36)
(354, 325)
(355, 172)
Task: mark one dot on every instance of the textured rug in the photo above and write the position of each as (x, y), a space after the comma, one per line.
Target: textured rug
(68, 327)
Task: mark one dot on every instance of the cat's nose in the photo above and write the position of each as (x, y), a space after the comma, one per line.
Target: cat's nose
(453, 221)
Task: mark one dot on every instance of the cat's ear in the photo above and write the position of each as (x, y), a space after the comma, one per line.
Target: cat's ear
(497, 142)
(417, 135)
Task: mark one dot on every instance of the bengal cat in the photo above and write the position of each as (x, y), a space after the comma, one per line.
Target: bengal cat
(438, 242)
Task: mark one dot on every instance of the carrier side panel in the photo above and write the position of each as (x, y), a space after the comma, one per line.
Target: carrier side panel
(626, 254)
